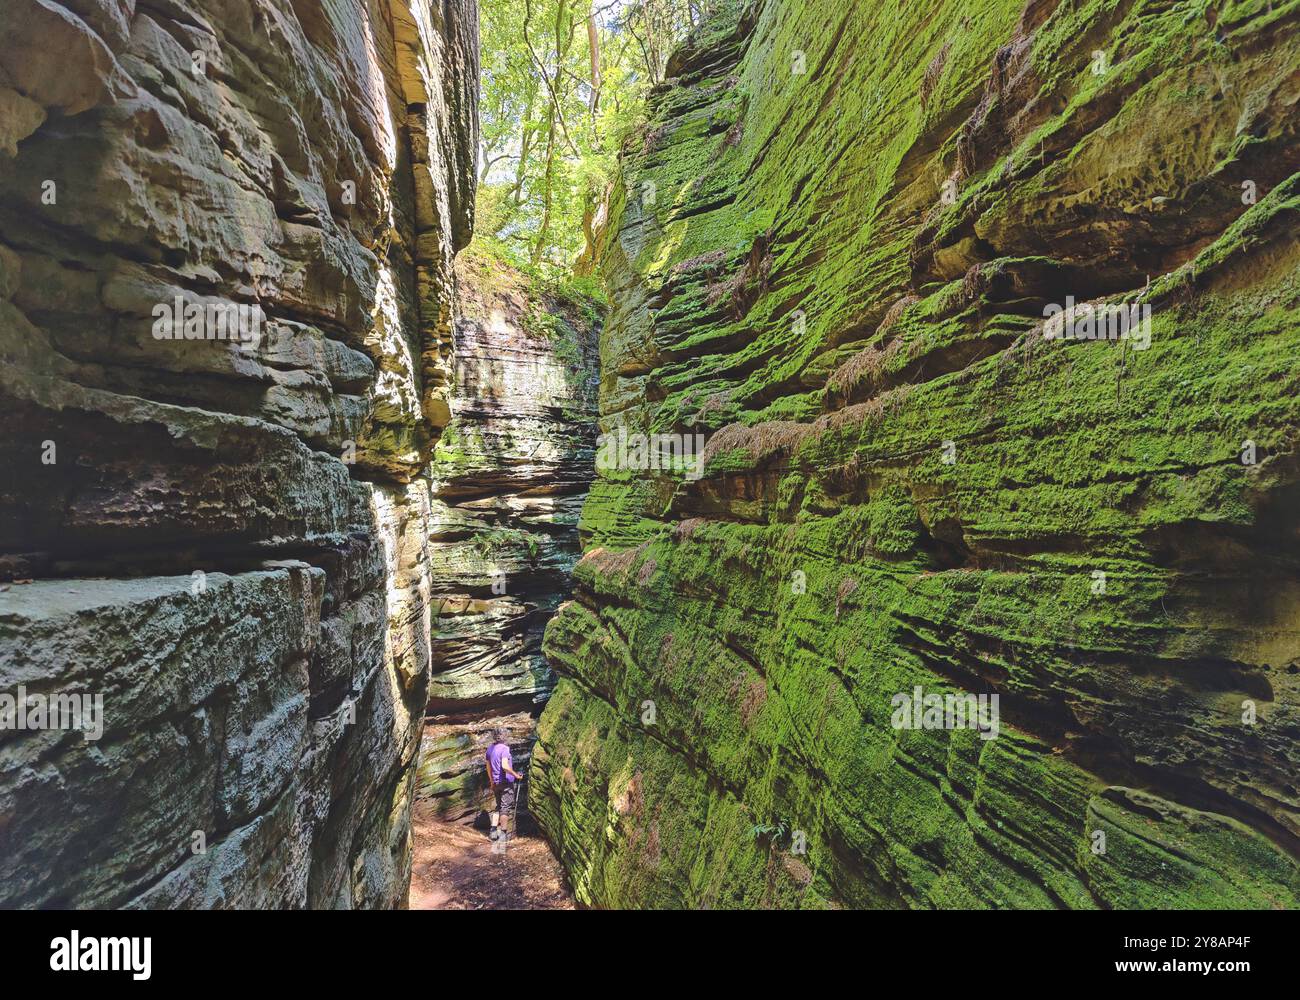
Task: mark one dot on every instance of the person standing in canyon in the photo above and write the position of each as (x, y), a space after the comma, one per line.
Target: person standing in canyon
(501, 777)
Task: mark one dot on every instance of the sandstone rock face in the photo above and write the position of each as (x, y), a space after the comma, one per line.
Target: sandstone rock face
(508, 479)
(228, 534)
(842, 277)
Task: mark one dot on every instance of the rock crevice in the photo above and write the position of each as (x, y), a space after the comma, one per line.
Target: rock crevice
(509, 478)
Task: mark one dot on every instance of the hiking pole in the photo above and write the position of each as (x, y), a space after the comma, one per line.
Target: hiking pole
(514, 820)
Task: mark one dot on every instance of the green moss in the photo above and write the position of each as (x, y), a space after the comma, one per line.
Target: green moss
(496, 540)
(1067, 525)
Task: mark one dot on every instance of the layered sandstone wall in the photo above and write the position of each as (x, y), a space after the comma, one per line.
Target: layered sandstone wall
(508, 478)
(228, 539)
(832, 251)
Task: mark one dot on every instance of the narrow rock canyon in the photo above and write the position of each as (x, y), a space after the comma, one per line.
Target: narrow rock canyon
(508, 480)
(945, 362)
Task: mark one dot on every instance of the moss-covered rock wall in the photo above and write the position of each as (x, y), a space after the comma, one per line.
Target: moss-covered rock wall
(833, 253)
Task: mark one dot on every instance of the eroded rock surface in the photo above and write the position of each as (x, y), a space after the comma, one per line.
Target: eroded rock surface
(508, 478)
(228, 536)
(841, 277)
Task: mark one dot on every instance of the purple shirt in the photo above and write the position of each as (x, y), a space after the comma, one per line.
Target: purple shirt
(498, 757)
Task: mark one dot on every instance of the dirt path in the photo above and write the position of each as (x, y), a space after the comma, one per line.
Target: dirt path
(455, 869)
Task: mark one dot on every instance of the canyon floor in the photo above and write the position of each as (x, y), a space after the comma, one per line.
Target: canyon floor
(456, 869)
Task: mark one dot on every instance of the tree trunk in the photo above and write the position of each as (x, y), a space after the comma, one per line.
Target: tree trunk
(593, 43)
(547, 189)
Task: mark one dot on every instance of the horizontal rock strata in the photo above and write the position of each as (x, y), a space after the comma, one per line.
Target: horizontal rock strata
(508, 477)
(227, 534)
(860, 217)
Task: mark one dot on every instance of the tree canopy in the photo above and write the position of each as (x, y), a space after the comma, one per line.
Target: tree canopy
(563, 83)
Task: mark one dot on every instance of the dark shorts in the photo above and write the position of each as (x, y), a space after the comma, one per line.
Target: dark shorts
(505, 796)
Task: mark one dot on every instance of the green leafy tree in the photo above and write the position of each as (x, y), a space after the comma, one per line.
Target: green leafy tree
(563, 86)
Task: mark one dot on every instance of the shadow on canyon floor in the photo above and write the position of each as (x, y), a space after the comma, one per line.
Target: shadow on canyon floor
(455, 868)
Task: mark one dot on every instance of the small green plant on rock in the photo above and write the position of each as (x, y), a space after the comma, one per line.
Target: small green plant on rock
(494, 540)
(774, 833)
